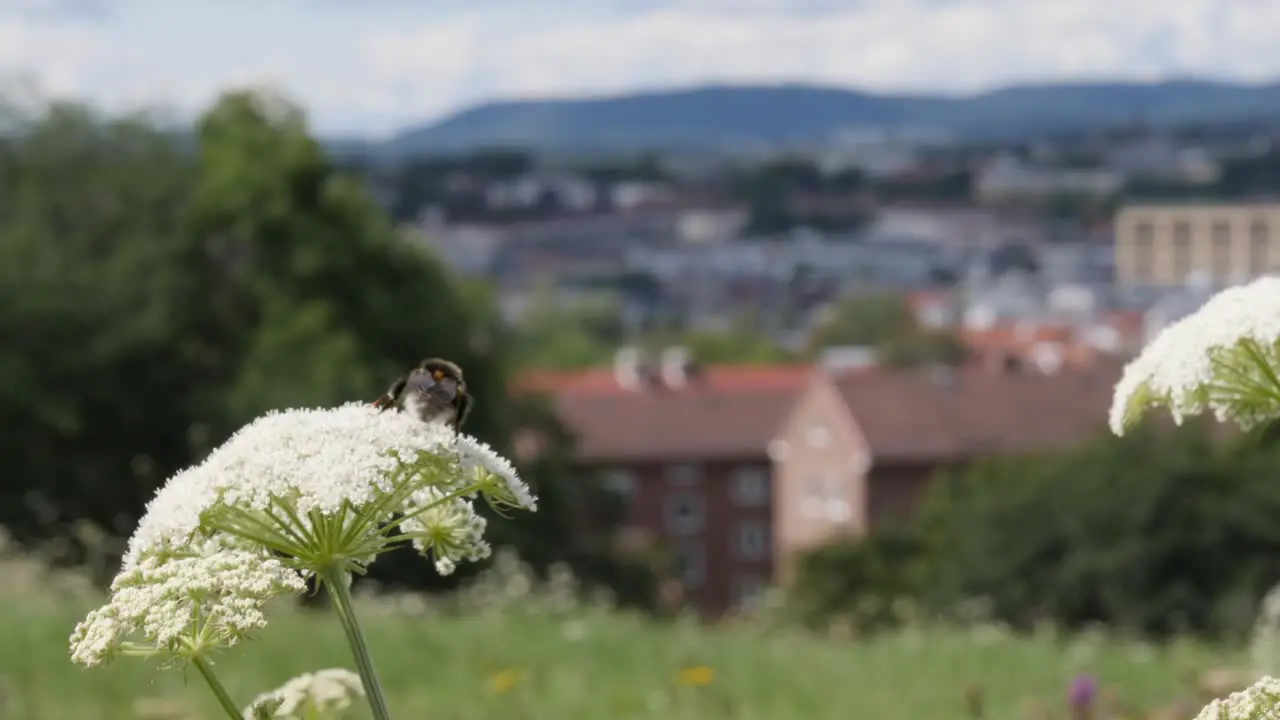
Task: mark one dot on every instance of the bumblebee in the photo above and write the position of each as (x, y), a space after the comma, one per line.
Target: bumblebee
(434, 391)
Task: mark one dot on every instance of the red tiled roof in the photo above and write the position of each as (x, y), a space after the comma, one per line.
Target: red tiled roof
(721, 378)
(1009, 340)
(725, 412)
(919, 415)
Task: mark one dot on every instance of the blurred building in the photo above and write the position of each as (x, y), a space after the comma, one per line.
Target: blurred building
(1166, 245)
(734, 469)
(688, 448)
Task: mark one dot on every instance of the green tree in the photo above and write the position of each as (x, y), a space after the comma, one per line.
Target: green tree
(865, 319)
(886, 322)
(551, 335)
(742, 343)
(96, 308)
(314, 278)
(155, 299)
(1157, 533)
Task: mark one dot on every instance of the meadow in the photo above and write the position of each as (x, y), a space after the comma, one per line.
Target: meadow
(518, 651)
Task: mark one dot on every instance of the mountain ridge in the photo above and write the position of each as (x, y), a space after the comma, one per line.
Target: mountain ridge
(720, 116)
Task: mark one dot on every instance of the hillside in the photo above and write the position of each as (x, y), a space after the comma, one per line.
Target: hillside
(721, 117)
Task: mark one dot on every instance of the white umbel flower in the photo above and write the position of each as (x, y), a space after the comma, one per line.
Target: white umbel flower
(316, 461)
(1223, 359)
(321, 694)
(1260, 701)
(177, 605)
(449, 531)
(497, 479)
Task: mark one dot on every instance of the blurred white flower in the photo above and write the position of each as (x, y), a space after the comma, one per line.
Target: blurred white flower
(1223, 358)
(1264, 643)
(181, 605)
(494, 475)
(311, 696)
(1261, 701)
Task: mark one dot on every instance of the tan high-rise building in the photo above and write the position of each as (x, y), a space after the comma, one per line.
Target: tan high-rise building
(1160, 245)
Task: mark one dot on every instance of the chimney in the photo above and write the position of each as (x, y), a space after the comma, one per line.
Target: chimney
(631, 368)
(678, 367)
(1003, 362)
(1048, 357)
(847, 357)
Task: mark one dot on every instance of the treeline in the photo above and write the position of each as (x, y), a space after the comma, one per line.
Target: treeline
(1156, 534)
(156, 294)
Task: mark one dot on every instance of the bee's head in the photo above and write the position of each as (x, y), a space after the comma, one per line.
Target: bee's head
(441, 372)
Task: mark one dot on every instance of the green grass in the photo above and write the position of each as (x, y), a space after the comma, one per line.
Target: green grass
(592, 665)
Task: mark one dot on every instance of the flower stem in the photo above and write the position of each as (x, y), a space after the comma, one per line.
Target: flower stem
(338, 582)
(224, 698)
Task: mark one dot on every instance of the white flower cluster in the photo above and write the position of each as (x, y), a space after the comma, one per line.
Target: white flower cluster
(213, 596)
(316, 460)
(323, 693)
(494, 475)
(450, 531)
(325, 483)
(1261, 701)
(1203, 362)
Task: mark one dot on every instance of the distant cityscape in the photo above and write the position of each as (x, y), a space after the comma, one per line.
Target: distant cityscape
(1050, 259)
(1017, 238)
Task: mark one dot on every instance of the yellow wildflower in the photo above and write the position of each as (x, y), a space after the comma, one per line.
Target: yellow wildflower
(697, 676)
(504, 681)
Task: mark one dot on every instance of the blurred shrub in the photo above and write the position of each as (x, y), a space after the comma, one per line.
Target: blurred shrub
(1157, 533)
(155, 295)
(868, 583)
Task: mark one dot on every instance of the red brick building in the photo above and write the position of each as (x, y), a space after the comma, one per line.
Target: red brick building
(689, 447)
(861, 447)
(734, 469)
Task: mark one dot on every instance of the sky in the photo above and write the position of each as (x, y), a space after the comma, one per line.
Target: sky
(371, 67)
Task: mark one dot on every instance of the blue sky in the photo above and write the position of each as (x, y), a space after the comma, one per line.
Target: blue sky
(373, 66)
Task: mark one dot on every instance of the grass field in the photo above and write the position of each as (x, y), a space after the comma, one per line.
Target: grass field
(587, 664)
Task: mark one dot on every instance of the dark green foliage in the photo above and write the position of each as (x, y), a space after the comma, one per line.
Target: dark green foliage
(152, 300)
(886, 322)
(1155, 533)
(863, 581)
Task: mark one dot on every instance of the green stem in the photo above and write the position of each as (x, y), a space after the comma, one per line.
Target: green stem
(337, 581)
(224, 698)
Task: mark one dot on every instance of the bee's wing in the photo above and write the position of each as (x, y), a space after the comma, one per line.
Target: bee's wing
(463, 406)
(388, 398)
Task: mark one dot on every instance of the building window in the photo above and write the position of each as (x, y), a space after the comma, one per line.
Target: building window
(684, 474)
(752, 541)
(1143, 240)
(690, 564)
(818, 436)
(1221, 237)
(815, 494)
(748, 589)
(1259, 248)
(839, 510)
(825, 497)
(1182, 250)
(836, 506)
(683, 512)
(620, 482)
(751, 486)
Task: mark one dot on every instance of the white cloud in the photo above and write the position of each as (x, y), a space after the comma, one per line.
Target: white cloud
(891, 45)
(399, 63)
